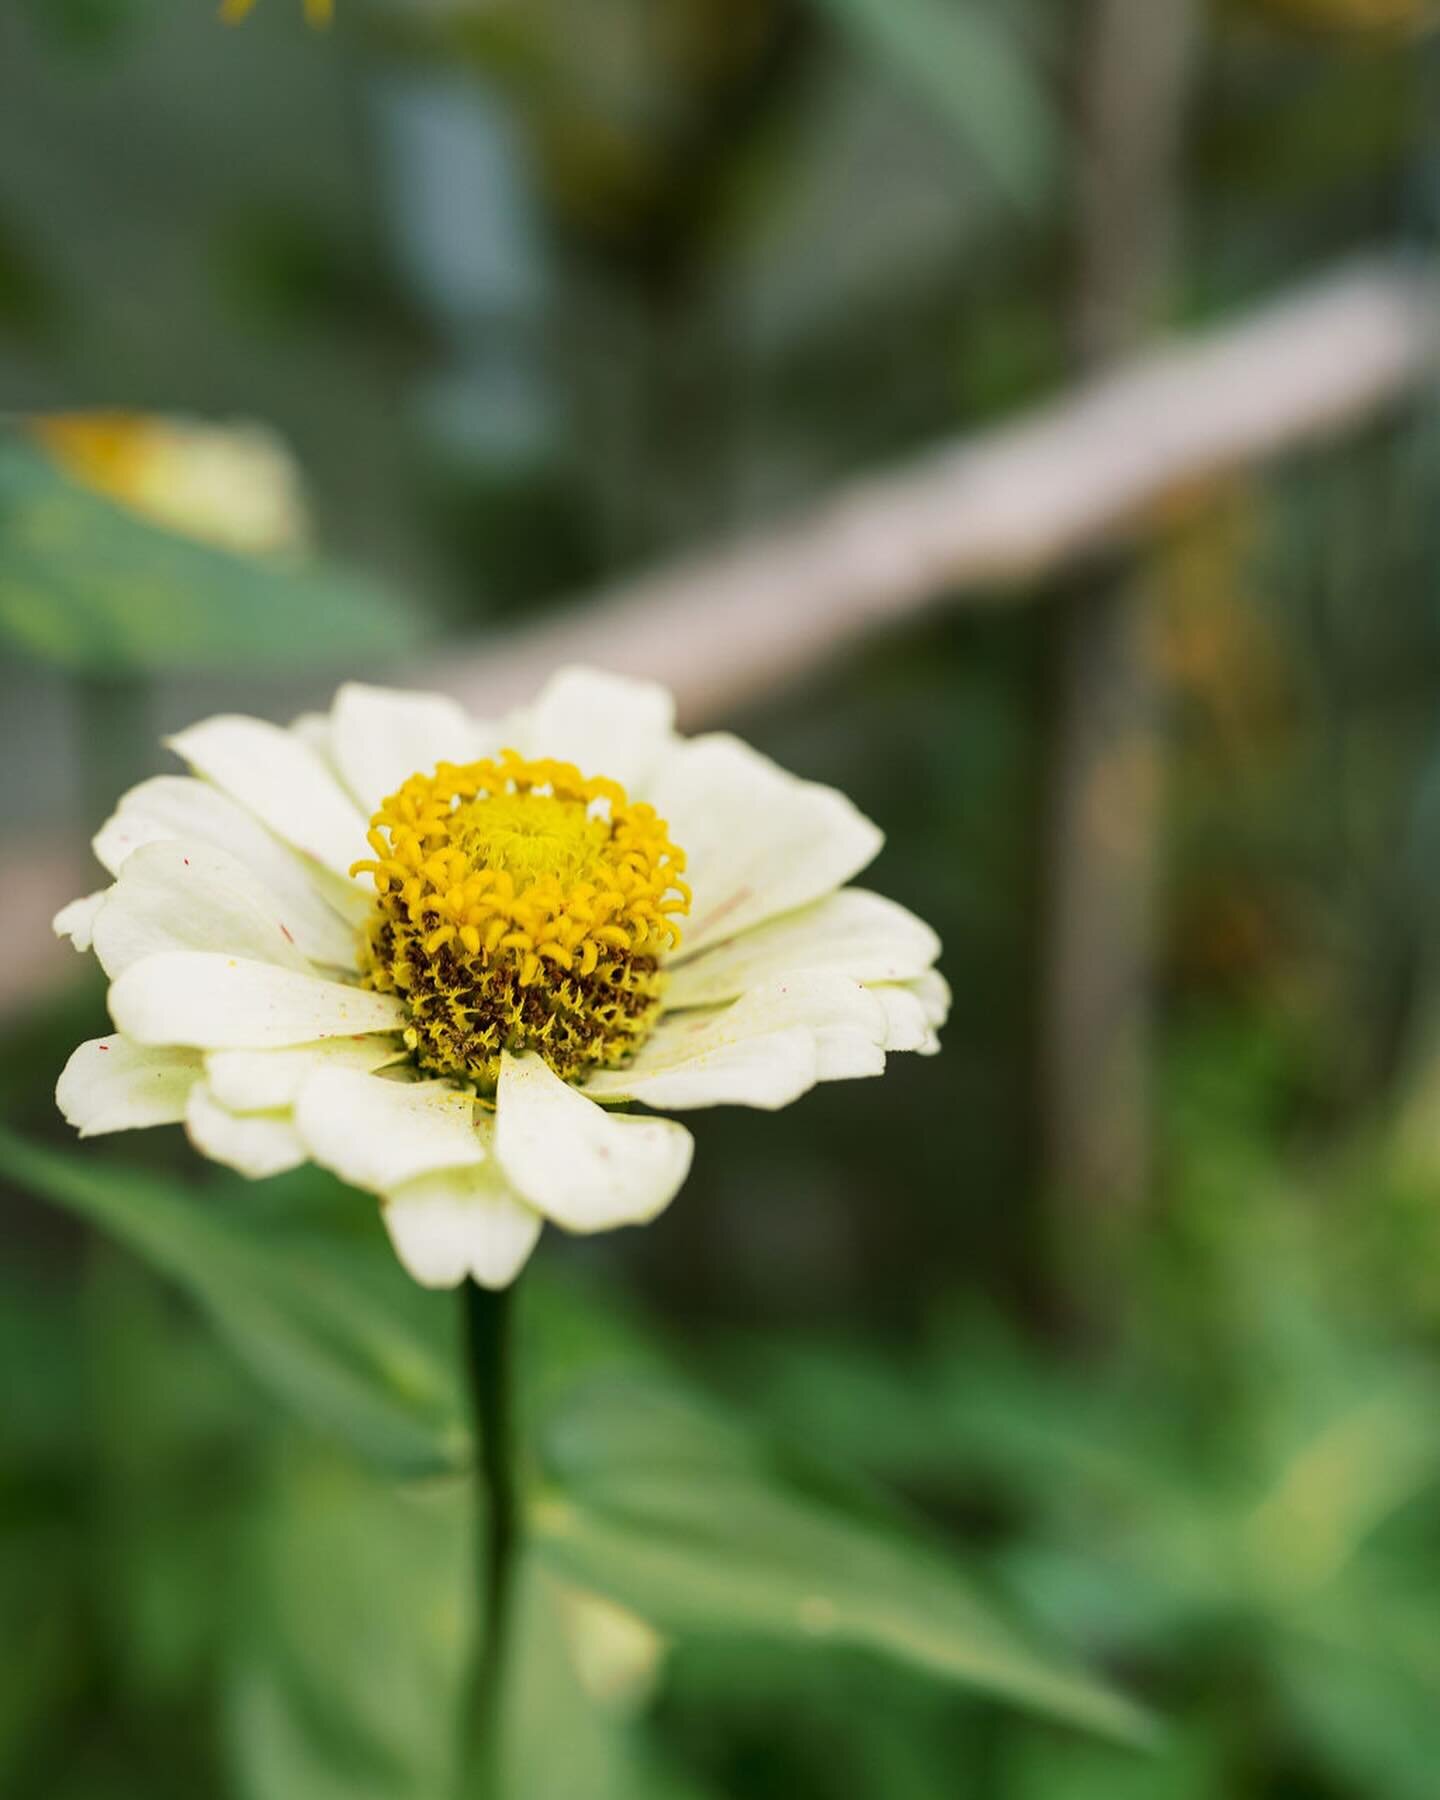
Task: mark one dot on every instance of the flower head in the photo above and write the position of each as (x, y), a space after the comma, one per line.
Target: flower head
(438, 956)
(521, 906)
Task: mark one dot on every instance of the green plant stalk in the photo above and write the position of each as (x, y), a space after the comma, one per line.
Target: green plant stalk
(489, 1371)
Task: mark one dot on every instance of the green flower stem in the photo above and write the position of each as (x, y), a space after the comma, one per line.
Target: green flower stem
(488, 1360)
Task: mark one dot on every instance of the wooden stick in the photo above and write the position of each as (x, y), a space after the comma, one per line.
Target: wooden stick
(978, 521)
(971, 523)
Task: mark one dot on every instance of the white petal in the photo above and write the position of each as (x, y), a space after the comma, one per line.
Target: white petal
(384, 735)
(257, 1144)
(282, 781)
(915, 1010)
(933, 992)
(763, 1050)
(376, 1134)
(224, 1003)
(854, 933)
(179, 896)
(585, 1169)
(907, 1027)
(758, 841)
(111, 1084)
(178, 806)
(767, 1071)
(77, 920)
(604, 724)
(461, 1222)
(264, 1080)
(849, 1053)
(314, 731)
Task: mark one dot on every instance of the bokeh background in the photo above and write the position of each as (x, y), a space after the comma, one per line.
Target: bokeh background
(1131, 1298)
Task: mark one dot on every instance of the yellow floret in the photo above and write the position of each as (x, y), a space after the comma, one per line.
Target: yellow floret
(521, 906)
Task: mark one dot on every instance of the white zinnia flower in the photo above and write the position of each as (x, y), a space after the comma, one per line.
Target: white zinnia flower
(444, 995)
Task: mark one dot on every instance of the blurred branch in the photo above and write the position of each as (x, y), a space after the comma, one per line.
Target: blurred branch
(978, 522)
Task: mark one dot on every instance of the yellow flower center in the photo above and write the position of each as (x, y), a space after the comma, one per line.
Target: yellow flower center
(521, 906)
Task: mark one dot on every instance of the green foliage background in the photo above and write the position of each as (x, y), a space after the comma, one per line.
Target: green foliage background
(933, 1486)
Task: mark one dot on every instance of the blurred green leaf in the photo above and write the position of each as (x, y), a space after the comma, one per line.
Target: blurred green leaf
(973, 71)
(562, 1740)
(683, 1518)
(42, 1616)
(1037, 1767)
(170, 1426)
(309, 1295)
(1360, 1672)
(89, 586)
(351, 1647)
(86, 26)
(351, 1636)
